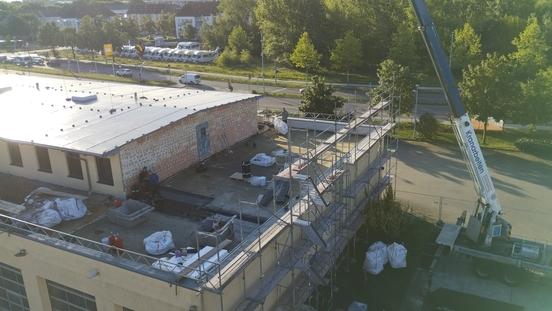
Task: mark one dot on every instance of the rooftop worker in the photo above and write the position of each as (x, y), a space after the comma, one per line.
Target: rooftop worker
(285, 115)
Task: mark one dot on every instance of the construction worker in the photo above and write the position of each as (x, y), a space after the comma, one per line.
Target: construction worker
(285, 115)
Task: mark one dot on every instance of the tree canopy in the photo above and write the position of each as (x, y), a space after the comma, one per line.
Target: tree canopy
(304, 55)
(347, 54)
(318, 98)
(488, 89)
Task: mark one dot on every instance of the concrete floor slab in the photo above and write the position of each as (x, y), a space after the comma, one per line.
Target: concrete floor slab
(182, 229)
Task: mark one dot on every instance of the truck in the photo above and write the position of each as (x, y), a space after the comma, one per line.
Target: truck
(486, 237)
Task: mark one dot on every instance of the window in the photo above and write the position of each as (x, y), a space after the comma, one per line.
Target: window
(15, 155)
(12, 289)
(105, 176)
(43, 156)
(63, 298)
(74, 165)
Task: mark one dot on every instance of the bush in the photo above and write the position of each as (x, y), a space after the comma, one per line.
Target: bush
(427, 125)
(245, 57)
(537, 146)
(386, 217)
(228, 58)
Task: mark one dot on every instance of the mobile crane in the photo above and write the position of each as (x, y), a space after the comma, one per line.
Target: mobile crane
(487, 236)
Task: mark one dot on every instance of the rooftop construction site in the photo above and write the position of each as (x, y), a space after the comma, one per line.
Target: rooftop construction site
(190, 188)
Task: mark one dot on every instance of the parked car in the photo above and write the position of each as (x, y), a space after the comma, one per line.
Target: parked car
(38, 61)
(53, 63)
(123, 72)
(190, 78)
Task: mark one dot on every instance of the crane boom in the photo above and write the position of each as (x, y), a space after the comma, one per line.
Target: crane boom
(483, 225)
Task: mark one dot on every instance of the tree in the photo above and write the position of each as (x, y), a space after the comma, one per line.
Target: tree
(488, 89)
(50, 35)
(8, 44)
(394, 80)
(404, 46)
(233, 13)
(347, 54)
(427, 125)
(466, 48)
(129, 27)
(318, 98)
(532, 49)
(110, 34)
(188, 32)
(165, 24)
(147, 25)
(90, 34)
(535, 105)
(305, 55)
(283, 21)
(238, 41)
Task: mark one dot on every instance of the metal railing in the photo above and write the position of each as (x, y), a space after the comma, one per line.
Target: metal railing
(26, 229)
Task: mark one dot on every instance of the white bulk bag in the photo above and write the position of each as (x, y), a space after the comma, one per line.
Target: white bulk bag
(258, 181)
(280, 126)
(376, 258)
(70, 208)
(45, 216)
(397, 255)
(261, 159)
(159, 243)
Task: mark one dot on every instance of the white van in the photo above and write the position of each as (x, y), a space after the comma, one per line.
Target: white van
(188, 45)
(190, 78)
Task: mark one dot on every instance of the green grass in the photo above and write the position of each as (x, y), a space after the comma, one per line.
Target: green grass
(504, 140)
(84, 75)
(255, 71)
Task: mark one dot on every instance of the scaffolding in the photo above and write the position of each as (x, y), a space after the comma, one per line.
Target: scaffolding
(332, 177)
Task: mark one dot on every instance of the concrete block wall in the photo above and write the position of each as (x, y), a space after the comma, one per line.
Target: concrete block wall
(174, 147)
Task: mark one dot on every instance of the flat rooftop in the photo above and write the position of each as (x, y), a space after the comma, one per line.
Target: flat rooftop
(45, 111)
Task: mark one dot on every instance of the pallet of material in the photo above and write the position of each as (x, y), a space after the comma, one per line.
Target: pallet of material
(11, 208)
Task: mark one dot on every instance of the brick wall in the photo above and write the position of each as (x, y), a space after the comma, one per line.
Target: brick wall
(174, 147)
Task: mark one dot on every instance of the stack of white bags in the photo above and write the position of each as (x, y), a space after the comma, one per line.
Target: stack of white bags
(379, 254)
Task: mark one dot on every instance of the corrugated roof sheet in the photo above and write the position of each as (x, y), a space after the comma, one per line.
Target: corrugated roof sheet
(45, 117)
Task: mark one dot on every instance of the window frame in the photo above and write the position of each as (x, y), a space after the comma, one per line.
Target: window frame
(105, 171)
(70, 298)
(17, 288)
(15, 151)
(75, 157)
(45, 152)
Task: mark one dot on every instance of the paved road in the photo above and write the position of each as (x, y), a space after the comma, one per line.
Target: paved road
(351, 92)
(427, 172)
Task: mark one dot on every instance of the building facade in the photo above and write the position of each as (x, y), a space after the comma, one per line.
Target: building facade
(195, 14)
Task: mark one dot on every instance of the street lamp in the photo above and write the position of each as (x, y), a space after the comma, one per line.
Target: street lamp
(417, 91)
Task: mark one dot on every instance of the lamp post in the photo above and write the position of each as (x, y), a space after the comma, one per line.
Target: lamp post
(262, 63)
